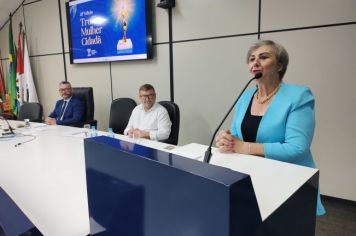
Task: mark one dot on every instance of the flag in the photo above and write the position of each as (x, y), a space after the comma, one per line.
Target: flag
(19, 74)
(7, 103)
(12, 72)
(30, 94)
(2, 90)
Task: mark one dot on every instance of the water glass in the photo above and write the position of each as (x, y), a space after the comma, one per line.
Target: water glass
(93, 133)
(111, 134)
(136, 136)
(87, 129)
(27, 123)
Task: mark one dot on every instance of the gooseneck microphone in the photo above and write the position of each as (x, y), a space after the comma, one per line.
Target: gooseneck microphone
(8, 124)
(207, 155)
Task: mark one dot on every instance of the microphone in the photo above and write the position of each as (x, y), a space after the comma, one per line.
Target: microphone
(207, 155)
(7, 122)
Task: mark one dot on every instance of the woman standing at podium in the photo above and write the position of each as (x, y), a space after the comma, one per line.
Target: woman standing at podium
(274, 119)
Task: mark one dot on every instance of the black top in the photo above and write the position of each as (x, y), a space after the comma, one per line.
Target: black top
(249, 125)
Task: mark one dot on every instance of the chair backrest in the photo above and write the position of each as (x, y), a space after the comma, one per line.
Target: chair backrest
(174, 114)
(85, 94)
(32, 111)
(120, 112)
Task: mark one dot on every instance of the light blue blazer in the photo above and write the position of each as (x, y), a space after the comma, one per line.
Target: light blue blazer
(287, 127)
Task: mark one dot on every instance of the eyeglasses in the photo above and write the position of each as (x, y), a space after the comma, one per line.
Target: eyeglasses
(148, 96)
(63, 89)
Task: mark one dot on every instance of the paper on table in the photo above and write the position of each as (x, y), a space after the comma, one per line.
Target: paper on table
(148, 143)
(81, 133)
(37, 125)
(193, 150)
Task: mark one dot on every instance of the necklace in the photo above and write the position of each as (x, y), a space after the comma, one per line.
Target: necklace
(269, 96)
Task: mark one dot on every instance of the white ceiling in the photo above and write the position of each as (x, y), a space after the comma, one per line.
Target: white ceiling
(7, 7)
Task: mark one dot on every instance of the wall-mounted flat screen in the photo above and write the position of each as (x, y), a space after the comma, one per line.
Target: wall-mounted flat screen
(109, 30)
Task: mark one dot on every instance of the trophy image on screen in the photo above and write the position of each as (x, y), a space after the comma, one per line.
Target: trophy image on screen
(123, 10)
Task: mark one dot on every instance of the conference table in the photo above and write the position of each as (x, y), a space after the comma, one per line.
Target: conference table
(42, 170)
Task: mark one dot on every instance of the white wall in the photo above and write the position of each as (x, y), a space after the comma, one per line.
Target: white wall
(211, 38)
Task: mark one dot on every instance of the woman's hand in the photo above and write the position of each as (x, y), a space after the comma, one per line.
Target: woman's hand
(225, 141)
(242, 147)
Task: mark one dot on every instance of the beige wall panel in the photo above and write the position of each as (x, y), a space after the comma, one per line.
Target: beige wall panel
(329, 70)
(280, 14)
(47, 73)
(16, 19)
(43, 27)
(159, 23)
(209, 75)
(130, 75)
(96, 75)
(4, 42)
(210, 18)
(64, 25)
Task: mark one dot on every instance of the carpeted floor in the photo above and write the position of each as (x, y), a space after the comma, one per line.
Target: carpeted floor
(339, 220)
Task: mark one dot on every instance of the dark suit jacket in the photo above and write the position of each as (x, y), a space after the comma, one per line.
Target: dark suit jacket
(73, 114)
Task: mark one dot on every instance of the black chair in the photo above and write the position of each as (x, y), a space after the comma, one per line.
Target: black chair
(85, 94)
(174, 115)
(120, 112)
(32, 111)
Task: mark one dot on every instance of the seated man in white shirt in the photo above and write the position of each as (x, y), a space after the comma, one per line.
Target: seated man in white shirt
(149, 119)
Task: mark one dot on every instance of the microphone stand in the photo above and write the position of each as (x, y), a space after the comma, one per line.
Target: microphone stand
(13, 133)
(207, 155)
(8, 124)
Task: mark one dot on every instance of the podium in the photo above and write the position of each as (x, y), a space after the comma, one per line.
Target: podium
(12, 220)
(140, 191)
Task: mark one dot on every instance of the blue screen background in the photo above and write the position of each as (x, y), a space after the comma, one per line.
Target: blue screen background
(111, 32)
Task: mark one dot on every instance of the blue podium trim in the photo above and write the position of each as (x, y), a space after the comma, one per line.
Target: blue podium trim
(219, 174)
(136, 190)
(12, 220)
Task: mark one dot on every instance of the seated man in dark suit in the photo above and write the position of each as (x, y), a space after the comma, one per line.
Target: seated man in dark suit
(68, 110)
